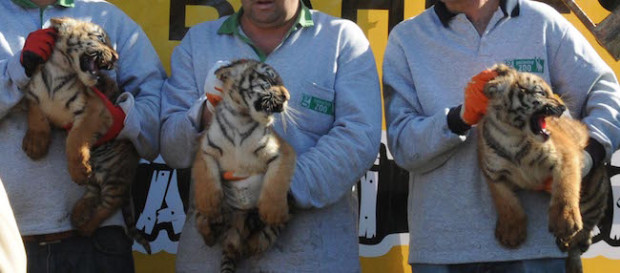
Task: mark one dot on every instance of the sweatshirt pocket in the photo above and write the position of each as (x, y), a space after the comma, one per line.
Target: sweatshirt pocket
(315, 108)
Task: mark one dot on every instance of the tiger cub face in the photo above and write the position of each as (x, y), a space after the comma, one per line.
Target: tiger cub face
(523, 100)
(253, 88)
(87, 47)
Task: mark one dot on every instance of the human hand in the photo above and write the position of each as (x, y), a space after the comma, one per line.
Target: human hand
(213, 92)
(475, 102)
(37, 49)
(118, 118)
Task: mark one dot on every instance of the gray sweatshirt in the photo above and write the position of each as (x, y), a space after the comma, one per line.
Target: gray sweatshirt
(41, 192)
(328, 67)
(428, 61)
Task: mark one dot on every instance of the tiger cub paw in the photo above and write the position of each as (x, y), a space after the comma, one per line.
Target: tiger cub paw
(273, 213)
(36, 143)
(79, 168)
(511, 232)
(564, 221)
(82, 215)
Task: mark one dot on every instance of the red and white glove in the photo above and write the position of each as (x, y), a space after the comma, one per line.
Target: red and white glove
(37, 49)
(475, 102)
(213, 86)
(118, 117)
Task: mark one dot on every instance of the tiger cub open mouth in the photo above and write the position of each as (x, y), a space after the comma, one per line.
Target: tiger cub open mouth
(538, 122)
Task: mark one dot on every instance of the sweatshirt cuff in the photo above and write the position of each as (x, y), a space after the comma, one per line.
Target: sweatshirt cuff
(131, 125)
(455, 122)
(16, 71)
(596, 151)
(194, 114)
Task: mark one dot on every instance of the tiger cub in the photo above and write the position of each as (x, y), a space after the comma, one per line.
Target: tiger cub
(526, 141)
(244, 217)
(60, 93)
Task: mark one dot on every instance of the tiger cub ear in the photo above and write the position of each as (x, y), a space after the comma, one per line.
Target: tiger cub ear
(502, 69)
(499, 84)
(223, 73)
(60, 22)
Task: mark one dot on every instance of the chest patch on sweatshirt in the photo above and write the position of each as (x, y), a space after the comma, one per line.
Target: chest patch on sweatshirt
(535, 65)
(318, 105)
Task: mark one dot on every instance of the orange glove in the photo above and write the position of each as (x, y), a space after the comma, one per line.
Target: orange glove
(475, 104)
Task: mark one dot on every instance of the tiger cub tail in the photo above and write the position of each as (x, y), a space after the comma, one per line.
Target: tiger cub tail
(228, 264)
(130, 222)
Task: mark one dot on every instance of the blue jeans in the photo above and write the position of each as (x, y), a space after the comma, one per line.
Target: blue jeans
(548, 265)
(109, 249)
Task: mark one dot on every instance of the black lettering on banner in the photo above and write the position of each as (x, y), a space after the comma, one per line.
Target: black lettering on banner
(608, 231)
(177, 14)
(390, 209)
(166, 213)
(395, 8)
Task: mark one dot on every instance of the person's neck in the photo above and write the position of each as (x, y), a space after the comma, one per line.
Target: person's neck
(266, 38)
(43, 3)
(479, 12)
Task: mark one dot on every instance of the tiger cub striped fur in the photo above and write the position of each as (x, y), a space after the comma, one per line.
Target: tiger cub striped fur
(60, 93)
(241, 141)
(525, 141)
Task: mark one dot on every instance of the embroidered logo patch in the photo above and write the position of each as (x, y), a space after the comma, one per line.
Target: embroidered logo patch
(318, 105)
(535, 65)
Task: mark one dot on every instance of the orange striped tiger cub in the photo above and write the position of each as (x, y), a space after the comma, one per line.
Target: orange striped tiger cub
(526, 141)
(60, 93)
(245, 217)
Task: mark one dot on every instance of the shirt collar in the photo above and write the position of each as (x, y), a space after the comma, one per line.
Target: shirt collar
(510, 8)
(231, 25)
(29, 5)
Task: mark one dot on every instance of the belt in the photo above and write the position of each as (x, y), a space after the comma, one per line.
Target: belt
(44, 239)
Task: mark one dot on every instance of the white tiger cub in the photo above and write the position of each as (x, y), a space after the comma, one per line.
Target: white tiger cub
(241, 142)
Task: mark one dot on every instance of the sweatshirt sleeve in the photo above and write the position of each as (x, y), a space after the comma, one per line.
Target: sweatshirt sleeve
(418, 141)
(354, 139)
(182, 104)
(140, 75)
(12, 79)
(589, 86)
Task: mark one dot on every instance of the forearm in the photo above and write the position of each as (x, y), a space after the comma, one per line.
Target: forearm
(140, 75)
(328, 171)
(601, 114)
(180, 133)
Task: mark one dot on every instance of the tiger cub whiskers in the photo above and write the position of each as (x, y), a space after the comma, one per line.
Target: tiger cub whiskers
(527, 139)
(60, 93)
(244, 217)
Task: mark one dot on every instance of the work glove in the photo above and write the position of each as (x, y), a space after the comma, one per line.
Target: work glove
(37, 49)
(118, 117)
(475, 102)
(593, 156)
(213, 92)
(213, 86)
